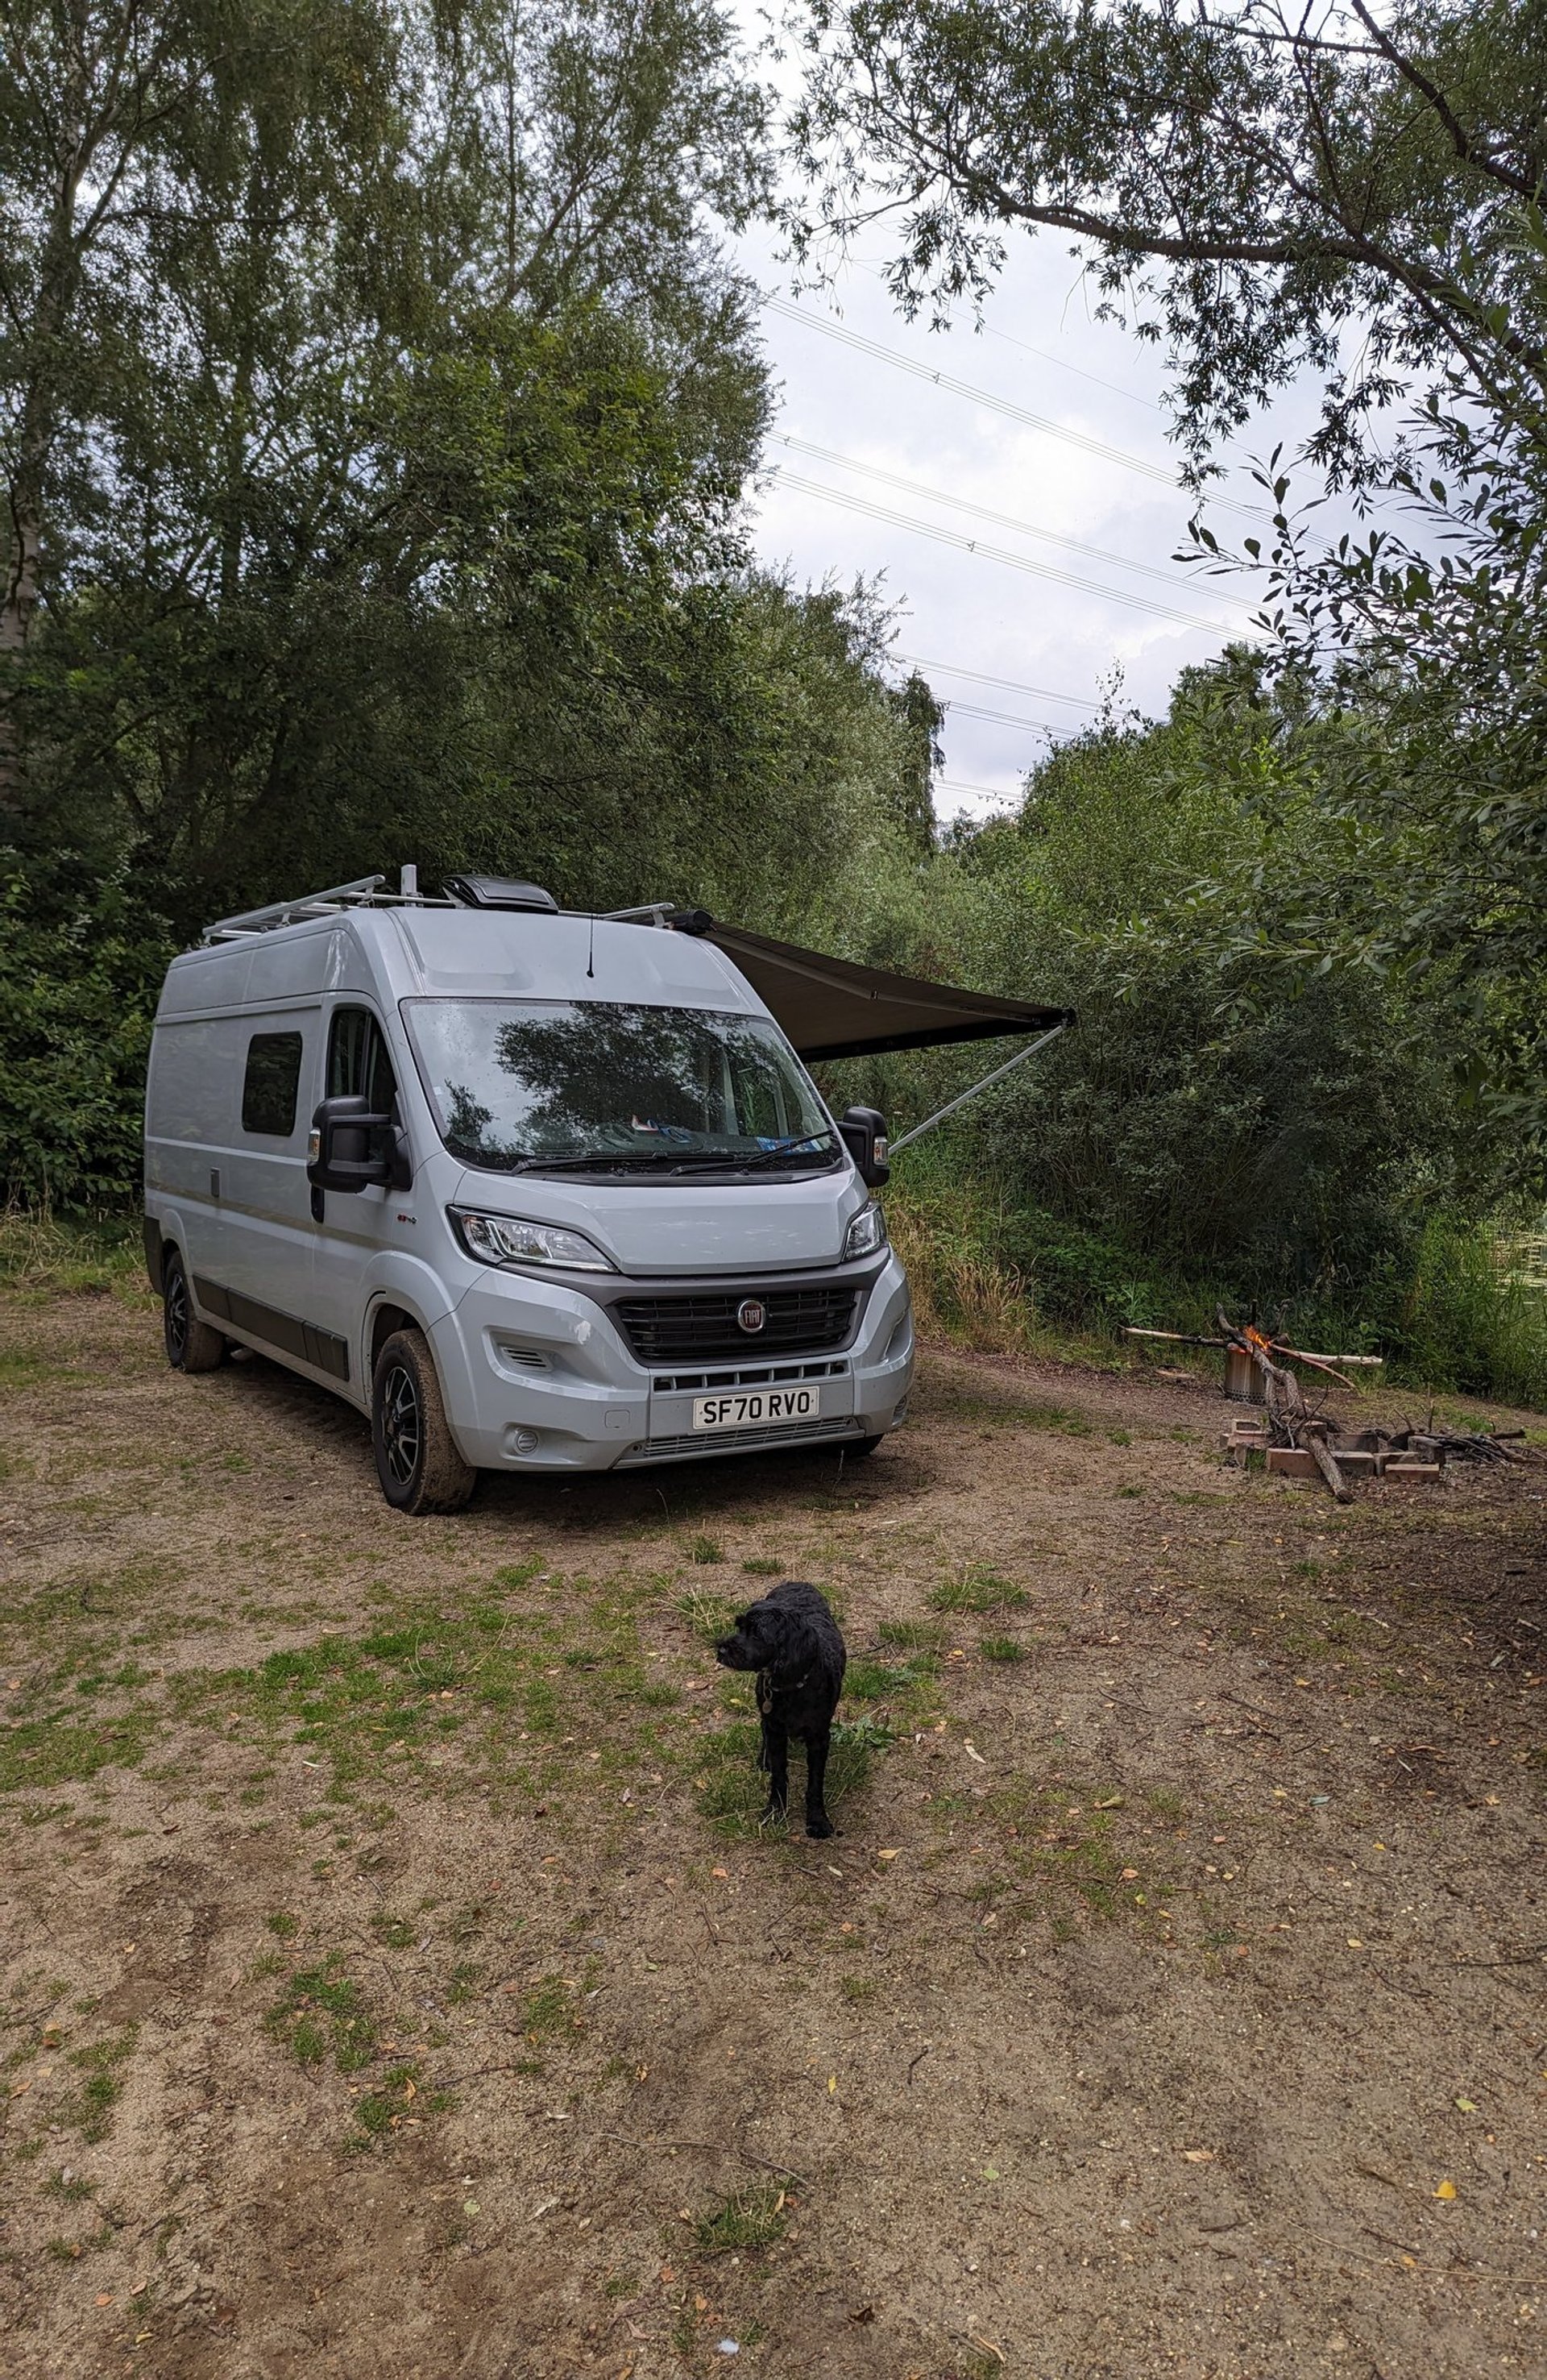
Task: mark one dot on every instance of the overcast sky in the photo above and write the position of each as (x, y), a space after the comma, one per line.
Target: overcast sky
(1106, 614)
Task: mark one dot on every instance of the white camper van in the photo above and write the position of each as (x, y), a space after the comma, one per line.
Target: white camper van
(538, 1192)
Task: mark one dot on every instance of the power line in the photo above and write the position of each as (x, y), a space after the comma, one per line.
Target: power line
(995, 404)
(998, 718)
(988, 793)
(982, 512)
(1079, 370)
(997, 553)
(1044, 353)
(1005, 685)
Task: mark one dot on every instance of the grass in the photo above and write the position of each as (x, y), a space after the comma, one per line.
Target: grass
(731, 1791)
(43, 1256)
(322, 2008)
(1002, 1648)
(977, 1589)
(63, 1750)
(908, 1687)
(394, 2101)
(709, 1613)
(912, 1636)
(103, 2084)
(549, 2013)
(746, 2221)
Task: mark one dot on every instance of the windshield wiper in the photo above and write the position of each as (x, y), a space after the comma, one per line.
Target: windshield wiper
(588, 1162)
(718, 1160)
(798, 1144)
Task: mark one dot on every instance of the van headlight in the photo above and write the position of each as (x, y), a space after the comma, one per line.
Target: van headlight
(503, 1239)
(866, 1233)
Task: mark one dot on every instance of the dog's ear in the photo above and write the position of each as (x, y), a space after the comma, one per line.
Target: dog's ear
(792, 1642)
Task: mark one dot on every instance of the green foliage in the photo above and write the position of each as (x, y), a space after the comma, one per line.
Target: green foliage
(80, 976)
(1248, 187)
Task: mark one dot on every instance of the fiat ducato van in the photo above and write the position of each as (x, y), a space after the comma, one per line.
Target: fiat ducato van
(537, 1193)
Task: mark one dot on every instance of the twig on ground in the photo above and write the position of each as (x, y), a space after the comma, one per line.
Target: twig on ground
(714, 2148)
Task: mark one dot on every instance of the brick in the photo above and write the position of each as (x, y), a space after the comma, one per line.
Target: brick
(1292, 1463)
(1357, 1463)
(1411, 1471)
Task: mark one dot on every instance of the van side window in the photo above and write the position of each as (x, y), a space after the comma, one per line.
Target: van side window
(269, 1084)
(358, 1060)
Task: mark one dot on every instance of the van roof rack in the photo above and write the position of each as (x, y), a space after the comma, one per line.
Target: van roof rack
(373, 893)
(365, 893)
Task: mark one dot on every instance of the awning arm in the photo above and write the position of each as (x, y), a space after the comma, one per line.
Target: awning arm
(996, 1076)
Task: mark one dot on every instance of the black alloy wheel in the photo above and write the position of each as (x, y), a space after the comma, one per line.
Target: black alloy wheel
(418, 1462)
(401, 1426)
(192, 1345)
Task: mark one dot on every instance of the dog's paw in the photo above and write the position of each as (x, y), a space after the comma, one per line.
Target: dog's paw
(772, 1813)
(820, 1827)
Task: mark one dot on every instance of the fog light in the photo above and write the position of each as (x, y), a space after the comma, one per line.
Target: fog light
(525, 1441)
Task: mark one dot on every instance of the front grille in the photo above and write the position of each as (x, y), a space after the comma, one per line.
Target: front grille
(703, 1325)
(767, 1438)
(751, 1376)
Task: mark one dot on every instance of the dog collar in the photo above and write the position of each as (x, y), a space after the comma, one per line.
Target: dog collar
(767, 1686)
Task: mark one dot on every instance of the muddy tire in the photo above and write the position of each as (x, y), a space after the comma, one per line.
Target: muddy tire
(418, 1460)
(192, 1345)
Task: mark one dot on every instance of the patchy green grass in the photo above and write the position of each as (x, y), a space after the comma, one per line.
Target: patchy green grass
(322, 2008)
(912, 1636)
(1084, 1844)
(763, 1566)
(747, 2220)
(1002, 1648)
(977, 1589)
(704, 1550)
(907, 1687)
(99, 2066)
(63, 1748)
(550, 2012)
(391, 2105)
(731, 1789)
(709, 1613)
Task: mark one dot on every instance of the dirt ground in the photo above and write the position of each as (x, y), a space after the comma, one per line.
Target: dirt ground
(396, 1982)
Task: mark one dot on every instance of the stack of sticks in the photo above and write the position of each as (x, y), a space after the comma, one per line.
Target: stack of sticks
(1291, 1422)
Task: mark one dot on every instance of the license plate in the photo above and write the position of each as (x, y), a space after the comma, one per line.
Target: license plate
(748, 1407)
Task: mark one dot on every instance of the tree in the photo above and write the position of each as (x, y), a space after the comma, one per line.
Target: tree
(1243, 183)
(1357, 193)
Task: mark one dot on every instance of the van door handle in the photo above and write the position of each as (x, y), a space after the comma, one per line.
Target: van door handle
(214, 1181)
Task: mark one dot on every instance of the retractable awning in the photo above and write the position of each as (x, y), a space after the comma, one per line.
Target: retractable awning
(830, 1008)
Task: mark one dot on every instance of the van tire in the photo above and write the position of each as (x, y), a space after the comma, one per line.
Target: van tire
(417, 1461)
(192, 1345)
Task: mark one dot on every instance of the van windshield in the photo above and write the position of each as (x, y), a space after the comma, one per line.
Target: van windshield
(518, 1085)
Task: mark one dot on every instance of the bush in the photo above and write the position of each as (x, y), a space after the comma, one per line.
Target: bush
(81, 970)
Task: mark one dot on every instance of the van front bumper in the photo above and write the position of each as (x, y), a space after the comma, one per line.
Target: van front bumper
(538, 1377)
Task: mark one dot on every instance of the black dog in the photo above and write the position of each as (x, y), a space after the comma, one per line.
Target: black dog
(792, 1642)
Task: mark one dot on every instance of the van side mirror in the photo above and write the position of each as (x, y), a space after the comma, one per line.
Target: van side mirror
(864, 1134)
(352, 1148)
